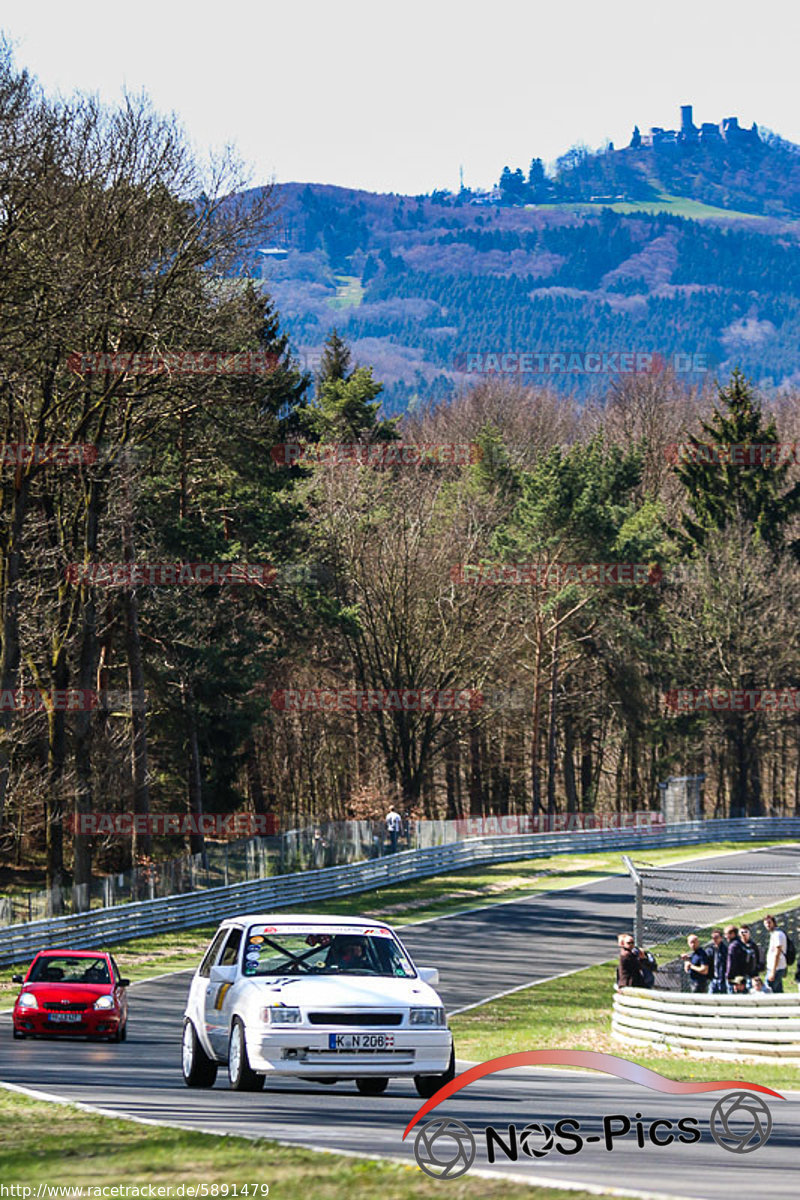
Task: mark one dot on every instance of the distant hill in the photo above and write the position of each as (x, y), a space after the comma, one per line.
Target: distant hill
(720, 164)
(691, 267)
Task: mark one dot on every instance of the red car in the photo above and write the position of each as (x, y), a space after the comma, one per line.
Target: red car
(73, 992)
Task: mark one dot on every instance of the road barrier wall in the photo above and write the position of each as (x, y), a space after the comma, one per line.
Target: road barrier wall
(721, 1026)
(102, 926)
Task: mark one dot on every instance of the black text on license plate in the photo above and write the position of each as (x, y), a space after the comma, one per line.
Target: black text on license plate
(360, 1041)
(72, 1018)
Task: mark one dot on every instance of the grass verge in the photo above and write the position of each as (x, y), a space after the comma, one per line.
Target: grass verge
(61, 1145)
(680, 206)
(404, 903)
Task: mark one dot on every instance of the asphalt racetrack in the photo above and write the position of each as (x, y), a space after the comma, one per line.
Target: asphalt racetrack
(479, 955)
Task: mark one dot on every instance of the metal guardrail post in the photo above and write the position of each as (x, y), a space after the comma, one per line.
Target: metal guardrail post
(638, 919)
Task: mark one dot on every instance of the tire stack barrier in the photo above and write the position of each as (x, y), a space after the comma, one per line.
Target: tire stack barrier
(717, 1026)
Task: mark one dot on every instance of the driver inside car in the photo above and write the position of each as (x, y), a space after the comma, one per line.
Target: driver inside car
(346, 954)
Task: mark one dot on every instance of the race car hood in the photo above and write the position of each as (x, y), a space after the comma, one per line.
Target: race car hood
(344, 991)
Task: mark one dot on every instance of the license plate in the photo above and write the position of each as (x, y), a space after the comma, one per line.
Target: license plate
(360, 1041)
(67, 1018)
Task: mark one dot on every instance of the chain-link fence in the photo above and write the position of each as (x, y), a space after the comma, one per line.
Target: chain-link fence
(674, 901)
(326, 844)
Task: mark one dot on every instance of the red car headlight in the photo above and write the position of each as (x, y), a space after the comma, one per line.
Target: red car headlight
(104, 1002)
(27, 1000)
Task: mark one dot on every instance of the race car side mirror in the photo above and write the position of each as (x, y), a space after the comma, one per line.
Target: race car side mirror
(124, 983)
(428, 975)
(17, 979)
(225, 974)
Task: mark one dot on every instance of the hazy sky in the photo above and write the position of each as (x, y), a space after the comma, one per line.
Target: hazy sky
(396, 96)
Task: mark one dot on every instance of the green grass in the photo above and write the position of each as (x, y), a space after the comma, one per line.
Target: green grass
(679, 206)
(349, 292)
(60, 1144)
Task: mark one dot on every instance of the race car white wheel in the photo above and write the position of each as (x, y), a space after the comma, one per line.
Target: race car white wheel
(373, 1086)
(241, 1075)
(198, 1069)
(428, 1085)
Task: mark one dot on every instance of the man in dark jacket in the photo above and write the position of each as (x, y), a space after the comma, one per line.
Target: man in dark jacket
(717, 952)
(737, 956)
(756, 961)
(629, 973)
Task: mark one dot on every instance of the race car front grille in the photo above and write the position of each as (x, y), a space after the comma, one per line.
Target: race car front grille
(348, 1018)
(64, 1006)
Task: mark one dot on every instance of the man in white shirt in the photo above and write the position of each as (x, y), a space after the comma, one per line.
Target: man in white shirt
(776, 954)
(394, 824)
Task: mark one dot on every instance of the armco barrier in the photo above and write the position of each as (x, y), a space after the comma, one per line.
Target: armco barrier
(105, 925)
(717, 1026)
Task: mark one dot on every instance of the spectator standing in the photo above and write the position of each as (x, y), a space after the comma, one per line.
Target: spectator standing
(737, 957)
(776, 954)
(717, 952)
(755, 955)
(629, 972)
(696, 964)
(394, 823)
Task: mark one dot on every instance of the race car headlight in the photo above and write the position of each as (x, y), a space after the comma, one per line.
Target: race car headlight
(104, 1002)
(427, 1016)
(281, 1016)
(28, 1000)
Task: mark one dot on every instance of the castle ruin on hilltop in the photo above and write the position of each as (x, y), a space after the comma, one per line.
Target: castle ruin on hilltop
(727, 132)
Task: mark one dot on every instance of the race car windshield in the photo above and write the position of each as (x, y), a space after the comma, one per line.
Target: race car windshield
(66, 969)
(270, 952)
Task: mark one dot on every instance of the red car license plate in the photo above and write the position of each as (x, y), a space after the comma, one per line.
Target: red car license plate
(70, 1018)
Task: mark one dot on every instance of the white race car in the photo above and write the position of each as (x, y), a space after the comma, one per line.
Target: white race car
(322, 998)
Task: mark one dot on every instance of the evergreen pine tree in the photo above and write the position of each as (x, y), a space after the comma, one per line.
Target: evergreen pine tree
(335, 362)
(722, 492)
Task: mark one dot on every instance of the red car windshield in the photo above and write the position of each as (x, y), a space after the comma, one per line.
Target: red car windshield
(65, 968)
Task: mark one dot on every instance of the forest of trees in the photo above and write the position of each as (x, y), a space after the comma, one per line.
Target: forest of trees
(438, 283)
(114, 241)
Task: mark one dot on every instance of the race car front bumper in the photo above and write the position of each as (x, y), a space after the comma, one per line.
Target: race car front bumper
(331, 1052)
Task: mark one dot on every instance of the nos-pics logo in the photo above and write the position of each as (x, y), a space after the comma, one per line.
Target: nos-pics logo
(445, 1148)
